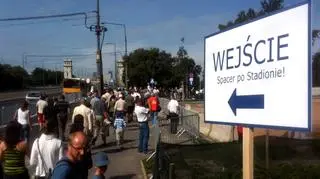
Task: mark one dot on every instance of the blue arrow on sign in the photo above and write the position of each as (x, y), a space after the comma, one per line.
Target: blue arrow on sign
(245, 102)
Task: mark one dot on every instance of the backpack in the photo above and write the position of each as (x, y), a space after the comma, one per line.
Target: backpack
(63, 161)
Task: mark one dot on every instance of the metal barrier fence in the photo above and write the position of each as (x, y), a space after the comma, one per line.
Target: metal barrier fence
(187, 130)
(189, 124)
(162, 168)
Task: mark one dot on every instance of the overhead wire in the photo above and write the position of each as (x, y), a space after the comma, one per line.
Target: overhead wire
(47, 17)
(44, 21)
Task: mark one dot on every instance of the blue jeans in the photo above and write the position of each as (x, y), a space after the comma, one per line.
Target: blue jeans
(143, 137)
(25, 131)
(154, 117)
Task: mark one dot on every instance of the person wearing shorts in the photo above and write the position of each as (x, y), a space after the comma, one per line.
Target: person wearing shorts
(41, 104)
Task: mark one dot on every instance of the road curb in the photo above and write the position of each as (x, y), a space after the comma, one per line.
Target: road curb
(143, 169)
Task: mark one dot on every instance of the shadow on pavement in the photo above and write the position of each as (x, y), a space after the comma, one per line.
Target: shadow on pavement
(111, 144)
(116, 149)
(128, 176)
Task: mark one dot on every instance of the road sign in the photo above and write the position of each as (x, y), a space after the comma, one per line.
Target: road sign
(259, 74)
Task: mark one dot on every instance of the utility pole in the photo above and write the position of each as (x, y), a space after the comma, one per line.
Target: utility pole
(126, 55)
(98, 31)
(55, 69)
(126, 49)
(182, 82)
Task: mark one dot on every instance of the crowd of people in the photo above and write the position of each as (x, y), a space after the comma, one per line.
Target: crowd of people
(90, 120)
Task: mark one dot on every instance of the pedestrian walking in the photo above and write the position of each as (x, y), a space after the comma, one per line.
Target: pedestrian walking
(85, 112)
(41, 104)
(119, 125)
(86, 162)
(101, 162)
(142, 117)
(173, 108)
(63, 109)
(130, 100)
(69, 166)
(50, 114)
(46, 151)
(110, 108)
(12, 153)
(119, 107)
(154, 107)
(98, 107)
(22, 116)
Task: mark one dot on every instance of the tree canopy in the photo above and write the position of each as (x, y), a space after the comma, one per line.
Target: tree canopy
(167, 70)
(15, 77)
(266, 7)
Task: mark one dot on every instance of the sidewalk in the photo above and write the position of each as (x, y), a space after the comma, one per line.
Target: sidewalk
(124, 164)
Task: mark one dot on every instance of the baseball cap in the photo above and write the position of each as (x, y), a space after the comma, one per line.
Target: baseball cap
(101, 159)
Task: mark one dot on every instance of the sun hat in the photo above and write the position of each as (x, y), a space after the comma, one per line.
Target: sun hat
(101, 159)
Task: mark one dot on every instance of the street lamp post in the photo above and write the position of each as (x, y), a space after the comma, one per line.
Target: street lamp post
(125, 46)
(115, 60)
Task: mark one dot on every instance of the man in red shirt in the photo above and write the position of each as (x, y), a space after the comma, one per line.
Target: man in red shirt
(154, 107)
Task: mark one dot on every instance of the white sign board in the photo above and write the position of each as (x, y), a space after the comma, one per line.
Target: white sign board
(259, 74)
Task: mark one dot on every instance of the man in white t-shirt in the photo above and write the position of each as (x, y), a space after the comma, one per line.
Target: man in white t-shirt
(41, 104)
(46, 151)
(173, 108)
(142, 117)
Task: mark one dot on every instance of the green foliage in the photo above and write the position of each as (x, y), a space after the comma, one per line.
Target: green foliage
(316, 70)
(168, 71)
(46, 77)
(15, 77)
(315, 36)
(267, 6)
(12, 77)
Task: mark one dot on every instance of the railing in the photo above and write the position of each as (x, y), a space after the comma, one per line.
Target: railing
(162, 168)
(189, 123)
(188, 128)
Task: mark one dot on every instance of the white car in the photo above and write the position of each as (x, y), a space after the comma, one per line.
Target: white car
(33, 96)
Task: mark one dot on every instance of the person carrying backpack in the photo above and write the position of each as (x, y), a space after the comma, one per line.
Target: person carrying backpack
(70, 165)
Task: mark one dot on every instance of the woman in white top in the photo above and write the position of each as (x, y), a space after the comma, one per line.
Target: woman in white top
(46, 151)
(22, 115)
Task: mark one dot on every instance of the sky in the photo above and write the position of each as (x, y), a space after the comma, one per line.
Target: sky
(149, 23)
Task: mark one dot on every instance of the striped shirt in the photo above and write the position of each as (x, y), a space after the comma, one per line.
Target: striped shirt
(13, 162)
(119, 123)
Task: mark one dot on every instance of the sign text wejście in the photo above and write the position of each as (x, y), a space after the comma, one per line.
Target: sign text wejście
(244, 56)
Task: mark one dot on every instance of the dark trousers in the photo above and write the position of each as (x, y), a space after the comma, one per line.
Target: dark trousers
(143, 137)
(62, 120)
(25, 132)
(174, 121)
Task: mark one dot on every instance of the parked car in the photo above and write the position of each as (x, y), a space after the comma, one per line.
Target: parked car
(33, 96)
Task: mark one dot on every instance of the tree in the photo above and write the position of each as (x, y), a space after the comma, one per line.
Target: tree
(42, 76)
(270, 6)
(316, 70)
(167, 71)
(267, 6)
(12, 77)
(144, 64)
(315, 35)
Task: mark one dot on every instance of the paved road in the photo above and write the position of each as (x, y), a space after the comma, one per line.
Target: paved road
(124, 164)
(17, 95)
